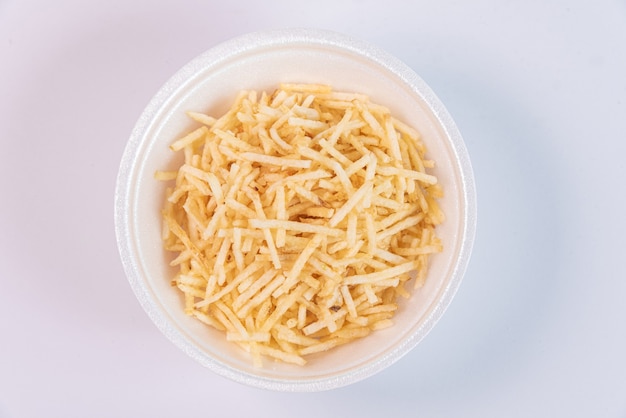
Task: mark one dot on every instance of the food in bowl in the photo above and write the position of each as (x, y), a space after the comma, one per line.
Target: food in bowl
(298, 218)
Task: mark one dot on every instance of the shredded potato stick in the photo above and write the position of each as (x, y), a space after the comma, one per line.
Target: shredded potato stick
(297, 218)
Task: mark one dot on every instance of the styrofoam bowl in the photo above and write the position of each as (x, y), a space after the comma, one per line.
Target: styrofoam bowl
(261, 61)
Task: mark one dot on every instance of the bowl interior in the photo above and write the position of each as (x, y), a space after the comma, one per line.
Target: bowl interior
(209, 84)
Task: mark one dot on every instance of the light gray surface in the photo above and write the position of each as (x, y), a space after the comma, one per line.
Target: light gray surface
(538, 92)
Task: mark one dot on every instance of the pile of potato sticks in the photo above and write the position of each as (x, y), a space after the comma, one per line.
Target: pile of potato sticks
(298, 217)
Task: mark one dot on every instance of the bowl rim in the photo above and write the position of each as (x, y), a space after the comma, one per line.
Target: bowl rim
(228, 50)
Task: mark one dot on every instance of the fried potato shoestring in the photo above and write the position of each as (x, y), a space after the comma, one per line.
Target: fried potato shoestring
(298, 218)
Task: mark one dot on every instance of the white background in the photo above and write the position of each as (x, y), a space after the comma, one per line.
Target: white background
(538, 90)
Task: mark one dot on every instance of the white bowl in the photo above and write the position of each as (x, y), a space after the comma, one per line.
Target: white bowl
(261, 61)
